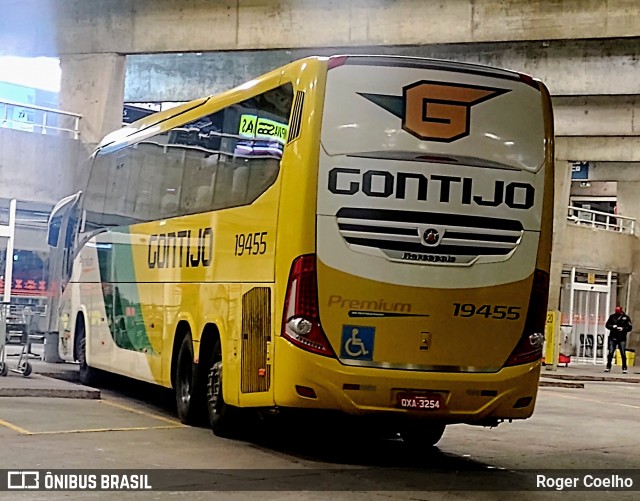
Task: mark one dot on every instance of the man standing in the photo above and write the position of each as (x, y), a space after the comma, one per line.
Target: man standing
(619, 324)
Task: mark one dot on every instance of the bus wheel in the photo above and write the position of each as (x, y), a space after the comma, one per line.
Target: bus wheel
(422, 435)
(88, 375)
(187, 402)
(223, 418)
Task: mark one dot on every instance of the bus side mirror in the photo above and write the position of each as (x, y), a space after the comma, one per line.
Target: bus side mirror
(61, 216)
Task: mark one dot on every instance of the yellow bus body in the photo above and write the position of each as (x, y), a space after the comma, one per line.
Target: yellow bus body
(474, 383)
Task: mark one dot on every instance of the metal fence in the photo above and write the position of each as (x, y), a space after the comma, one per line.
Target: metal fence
(602, 220)
(38, 119)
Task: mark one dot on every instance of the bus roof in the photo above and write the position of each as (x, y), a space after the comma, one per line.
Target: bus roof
(155, 123)
(155, 119)
(430, 63)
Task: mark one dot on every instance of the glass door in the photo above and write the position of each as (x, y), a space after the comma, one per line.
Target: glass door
(590, 303)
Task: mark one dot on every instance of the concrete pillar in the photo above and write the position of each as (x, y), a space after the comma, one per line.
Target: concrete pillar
(633, 339)
(93, 85)
(51, 348)
(629, 205)
(632, 303)
(561, 202)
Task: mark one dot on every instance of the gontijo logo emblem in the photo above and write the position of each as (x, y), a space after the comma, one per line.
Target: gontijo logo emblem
(435, 111)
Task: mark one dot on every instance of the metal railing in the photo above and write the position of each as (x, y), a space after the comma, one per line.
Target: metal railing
(32, 118)
(602, 220)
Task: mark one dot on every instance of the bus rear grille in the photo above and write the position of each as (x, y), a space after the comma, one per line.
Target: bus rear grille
(256, 338)
(429, 232)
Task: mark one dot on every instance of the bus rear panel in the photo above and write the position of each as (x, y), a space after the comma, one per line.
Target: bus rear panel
(427, 293)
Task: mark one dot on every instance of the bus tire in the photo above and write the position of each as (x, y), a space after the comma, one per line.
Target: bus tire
(188, 400)
(88, 375)
(223, 418)
(422, 435)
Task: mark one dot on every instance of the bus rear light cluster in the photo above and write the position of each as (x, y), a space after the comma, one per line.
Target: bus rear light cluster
(529, 348)
(301, 322)
(300, 326)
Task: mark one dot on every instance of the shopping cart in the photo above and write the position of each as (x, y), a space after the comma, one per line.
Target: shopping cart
(23, 367)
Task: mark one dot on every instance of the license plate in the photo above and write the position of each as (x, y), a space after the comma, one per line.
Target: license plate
(420, 402)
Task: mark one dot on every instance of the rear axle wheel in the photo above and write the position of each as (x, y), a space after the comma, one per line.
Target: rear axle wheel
(88, 375)
(189, 398)
(223, 418)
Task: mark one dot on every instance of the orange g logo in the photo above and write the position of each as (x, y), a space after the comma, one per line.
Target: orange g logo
(436, 111)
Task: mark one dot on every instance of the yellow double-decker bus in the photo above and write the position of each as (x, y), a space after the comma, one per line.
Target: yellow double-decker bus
(362, 234)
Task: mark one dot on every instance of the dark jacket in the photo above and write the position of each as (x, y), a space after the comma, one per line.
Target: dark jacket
(619, 324)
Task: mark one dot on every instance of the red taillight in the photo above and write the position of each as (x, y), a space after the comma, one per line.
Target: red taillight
(301, 319)
(335, 61)
(529, 348)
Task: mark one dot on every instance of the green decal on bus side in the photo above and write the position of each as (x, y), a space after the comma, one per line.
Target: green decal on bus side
(121, 298)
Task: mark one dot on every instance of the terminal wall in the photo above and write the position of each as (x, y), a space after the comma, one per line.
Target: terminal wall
(598, 148)
(92, 85)
(624, 172)
(571, 69)
(39, 168)
(589, 248)
(151, 26)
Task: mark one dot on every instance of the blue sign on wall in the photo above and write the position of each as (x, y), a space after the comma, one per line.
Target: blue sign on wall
(579, 170)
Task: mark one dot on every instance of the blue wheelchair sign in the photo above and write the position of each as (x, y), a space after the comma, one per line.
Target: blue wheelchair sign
(357, 342)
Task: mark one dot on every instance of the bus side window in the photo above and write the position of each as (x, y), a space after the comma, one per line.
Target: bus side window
(207, 164)
(255, 131)
(239, 183)
(201, 163)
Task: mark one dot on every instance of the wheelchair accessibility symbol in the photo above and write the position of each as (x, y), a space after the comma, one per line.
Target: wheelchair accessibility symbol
(357, 342)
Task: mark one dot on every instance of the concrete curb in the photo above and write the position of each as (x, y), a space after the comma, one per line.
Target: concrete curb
(571, 377)
(68, 376)
(561, 384)
(80, 393)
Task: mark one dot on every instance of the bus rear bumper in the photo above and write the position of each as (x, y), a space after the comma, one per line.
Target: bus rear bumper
(473, 398)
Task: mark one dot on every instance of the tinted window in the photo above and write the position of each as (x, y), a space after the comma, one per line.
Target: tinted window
(226, 159)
